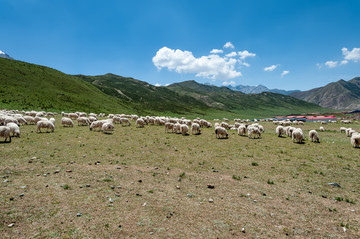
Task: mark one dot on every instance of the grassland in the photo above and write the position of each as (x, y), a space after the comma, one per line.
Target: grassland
(143, 183)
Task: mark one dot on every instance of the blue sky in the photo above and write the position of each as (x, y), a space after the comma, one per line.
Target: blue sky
(302, 44)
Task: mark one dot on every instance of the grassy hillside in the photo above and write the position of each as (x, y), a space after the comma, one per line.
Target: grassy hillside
(338, 95)
(29, 86)
(146, 97)
(252, 105)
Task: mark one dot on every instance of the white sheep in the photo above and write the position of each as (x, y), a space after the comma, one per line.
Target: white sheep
(5, 133)
(242, 130)
(65, 121)
(140, 123)
(348, 130)
(254, 132)
(225, 125)
(44, 124)
(313, 136)
(298, 136)
(322, 129)
(98, 124)
(195, 129)
(355, 140)
(221, 132)
(107, 127)
(184, 129)
(176, 128)
(342, 130)
(73, 116)
(125, 121)
(14, 129)
(289, 130)
(29, 119)
(169, 126)
(83, 121)
(261, 128)
(280, 131)
(52, 120)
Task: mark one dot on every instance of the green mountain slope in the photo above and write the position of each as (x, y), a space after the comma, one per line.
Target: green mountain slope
(29, 86)
(337, 95)
(254, 105)
(145, 97)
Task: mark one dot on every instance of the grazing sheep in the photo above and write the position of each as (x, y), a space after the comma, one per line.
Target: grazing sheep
(261, 128)
(289, 130)
(184, 129)
(65, 121)
(242, 130)
(221, 133)
(14, 129)
(107, 127)
(216, 124)
(314, 137)
(225, 125)
(348, 130)
(52, 120)
(125, 121)
(44, 124)
(83, 121)
(342, 130)
(169, 126)
(322, 129)
(5, 133)
(116, 120)
(10, 120)
(254, 132)
(355, 140)
(29, 119)
(298, 136)
(97, 124)
(73, 116)
(195, 129)
(176, 128)
(280, 131)
(21, 120)
(140, 123)
(323, 122)
(351, 132)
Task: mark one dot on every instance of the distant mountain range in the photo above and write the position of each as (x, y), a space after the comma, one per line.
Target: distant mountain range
(259, 89)
(336, 95)
(4, 55)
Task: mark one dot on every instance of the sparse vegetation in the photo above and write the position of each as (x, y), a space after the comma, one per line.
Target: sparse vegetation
(159, 203)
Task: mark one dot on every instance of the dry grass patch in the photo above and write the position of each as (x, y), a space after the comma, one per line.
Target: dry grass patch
(145, 183)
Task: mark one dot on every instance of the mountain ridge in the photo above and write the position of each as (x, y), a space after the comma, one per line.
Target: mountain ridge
(341, 95)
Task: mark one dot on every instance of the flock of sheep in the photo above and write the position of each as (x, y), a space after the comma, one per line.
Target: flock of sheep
(10, 122)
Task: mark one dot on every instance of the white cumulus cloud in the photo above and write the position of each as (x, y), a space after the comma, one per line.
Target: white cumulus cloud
(284, 73)
(231, 54)
(227, 83)
(229, 45)
(271, 68)
(245, 54)
(353, 55)
(157, 85)
(216, 51)
(211, 67)
(331, 64)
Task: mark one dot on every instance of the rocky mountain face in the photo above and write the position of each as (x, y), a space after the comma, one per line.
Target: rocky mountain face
(336, 95)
